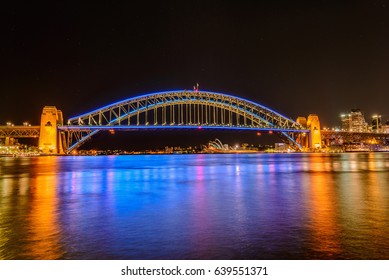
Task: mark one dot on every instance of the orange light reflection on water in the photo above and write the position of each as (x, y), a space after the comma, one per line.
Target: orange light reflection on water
(325, 231)
(42, 216)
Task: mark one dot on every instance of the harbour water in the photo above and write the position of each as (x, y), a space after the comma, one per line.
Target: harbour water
(224, 206)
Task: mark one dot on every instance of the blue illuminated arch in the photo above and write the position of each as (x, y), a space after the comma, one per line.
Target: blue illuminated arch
(180, 109)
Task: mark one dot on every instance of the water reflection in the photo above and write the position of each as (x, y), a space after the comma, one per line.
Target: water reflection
(202, 221)
(29, 228)
(265, 206)
(323, 210)
(42, 220)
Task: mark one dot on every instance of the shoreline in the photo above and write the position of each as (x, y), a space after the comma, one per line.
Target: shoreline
(200, 153)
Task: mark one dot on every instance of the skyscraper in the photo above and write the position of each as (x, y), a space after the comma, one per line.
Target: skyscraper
(346, 122)
(358, 121)
(354, 121)
(376, 123)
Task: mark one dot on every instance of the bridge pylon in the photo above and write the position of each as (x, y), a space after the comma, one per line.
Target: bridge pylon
(313, 125)
(312, 140)
(51, 140)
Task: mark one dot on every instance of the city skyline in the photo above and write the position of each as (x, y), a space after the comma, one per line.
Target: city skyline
(323, 58)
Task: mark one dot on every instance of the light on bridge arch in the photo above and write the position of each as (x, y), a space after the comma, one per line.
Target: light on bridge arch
(180, 109)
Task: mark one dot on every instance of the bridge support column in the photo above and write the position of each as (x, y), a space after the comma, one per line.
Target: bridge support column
(9, 141)
(302, 138)
(50, 141)
(313, 124)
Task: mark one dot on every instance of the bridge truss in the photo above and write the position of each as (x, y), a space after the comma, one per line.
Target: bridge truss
(19, 131)
(181, 110)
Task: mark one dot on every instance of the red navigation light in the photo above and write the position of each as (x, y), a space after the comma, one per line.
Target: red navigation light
(270, 132)
(112, 131)
(258, 134)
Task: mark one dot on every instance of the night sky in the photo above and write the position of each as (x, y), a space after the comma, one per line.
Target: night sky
(296, 57)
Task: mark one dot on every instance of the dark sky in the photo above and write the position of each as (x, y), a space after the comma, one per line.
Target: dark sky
(324, 57)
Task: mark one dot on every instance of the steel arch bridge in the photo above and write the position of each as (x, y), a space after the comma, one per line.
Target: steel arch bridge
(181, 109)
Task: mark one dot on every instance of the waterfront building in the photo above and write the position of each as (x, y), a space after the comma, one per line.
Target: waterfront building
(354, 121)
(281, 148)
(385, 127)
(376, 124)
(346, 122)
(358, 121)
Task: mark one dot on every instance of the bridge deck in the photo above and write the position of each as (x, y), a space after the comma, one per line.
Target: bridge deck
(19, 131)
(168, 127)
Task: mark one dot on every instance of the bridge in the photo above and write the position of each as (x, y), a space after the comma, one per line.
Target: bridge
(181, 109)
(10, 132)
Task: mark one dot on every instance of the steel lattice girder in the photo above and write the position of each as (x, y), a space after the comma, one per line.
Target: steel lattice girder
(19, 131)
(255, 116)
(114, 114)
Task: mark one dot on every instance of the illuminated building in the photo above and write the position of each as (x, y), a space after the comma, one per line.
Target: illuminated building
(354, 121)
(313, 124)
(385, 127)
(346, 122)
(376, 124)
(281, 147)
(358, 121)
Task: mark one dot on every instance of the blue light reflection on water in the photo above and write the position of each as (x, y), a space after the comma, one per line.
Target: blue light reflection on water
(252, 206)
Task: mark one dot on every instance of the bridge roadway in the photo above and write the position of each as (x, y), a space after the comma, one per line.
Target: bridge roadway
(32, 131)
(329, 137)
(169, 127)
